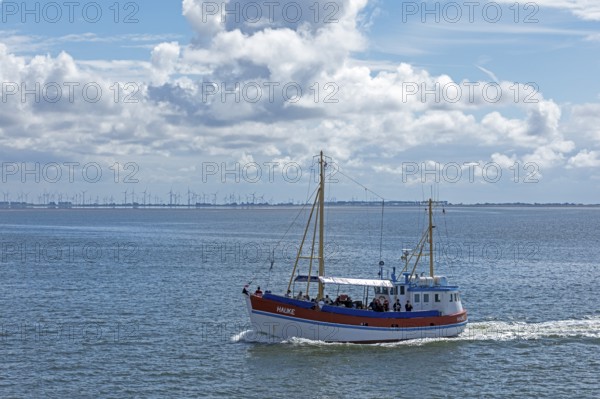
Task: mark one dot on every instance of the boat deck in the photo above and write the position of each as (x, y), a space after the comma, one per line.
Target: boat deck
(351, 311)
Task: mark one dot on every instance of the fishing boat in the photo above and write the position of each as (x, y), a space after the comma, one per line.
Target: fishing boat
(403, 306)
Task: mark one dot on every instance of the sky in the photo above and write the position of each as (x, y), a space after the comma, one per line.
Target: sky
(229, 101)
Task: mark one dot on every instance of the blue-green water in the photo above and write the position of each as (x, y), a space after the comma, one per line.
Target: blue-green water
(146, 303)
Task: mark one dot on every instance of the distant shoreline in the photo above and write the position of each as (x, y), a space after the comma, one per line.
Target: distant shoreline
(51, 206)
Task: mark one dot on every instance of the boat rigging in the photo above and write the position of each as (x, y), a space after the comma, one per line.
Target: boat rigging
(403, 307)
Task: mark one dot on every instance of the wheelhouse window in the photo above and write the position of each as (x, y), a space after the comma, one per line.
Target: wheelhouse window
(401, 290)
(437, 297)
(451, 297)
(417, 298)
(425, 297)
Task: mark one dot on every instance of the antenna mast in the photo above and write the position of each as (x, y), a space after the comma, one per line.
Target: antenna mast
(431, 226)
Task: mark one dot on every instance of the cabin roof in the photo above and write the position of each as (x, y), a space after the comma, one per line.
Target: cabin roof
(356, 281)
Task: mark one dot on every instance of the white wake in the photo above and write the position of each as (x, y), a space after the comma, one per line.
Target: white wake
(588, 328)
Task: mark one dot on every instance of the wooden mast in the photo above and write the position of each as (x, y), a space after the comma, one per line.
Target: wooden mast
(321, 215)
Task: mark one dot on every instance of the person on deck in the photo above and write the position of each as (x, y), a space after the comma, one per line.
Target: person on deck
(321, 303)
(299, 296)
(375, 306)
(328, 300)
(397, 306)
(288, 294)
(408, 306)
(258, 292)
(386, 305)
(371, 305)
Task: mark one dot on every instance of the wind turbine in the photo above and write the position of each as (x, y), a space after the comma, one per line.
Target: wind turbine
(170, 197)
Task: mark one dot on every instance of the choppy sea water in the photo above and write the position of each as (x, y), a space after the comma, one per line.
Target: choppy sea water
(146, 303)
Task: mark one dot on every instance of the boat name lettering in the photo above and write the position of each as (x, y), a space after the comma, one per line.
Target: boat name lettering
(281, 309)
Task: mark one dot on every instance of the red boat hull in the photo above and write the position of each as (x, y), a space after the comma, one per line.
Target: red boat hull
(286, 320)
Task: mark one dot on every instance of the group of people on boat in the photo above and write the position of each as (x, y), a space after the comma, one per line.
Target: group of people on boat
(380, 304)
(300, 296)
(341, 300)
